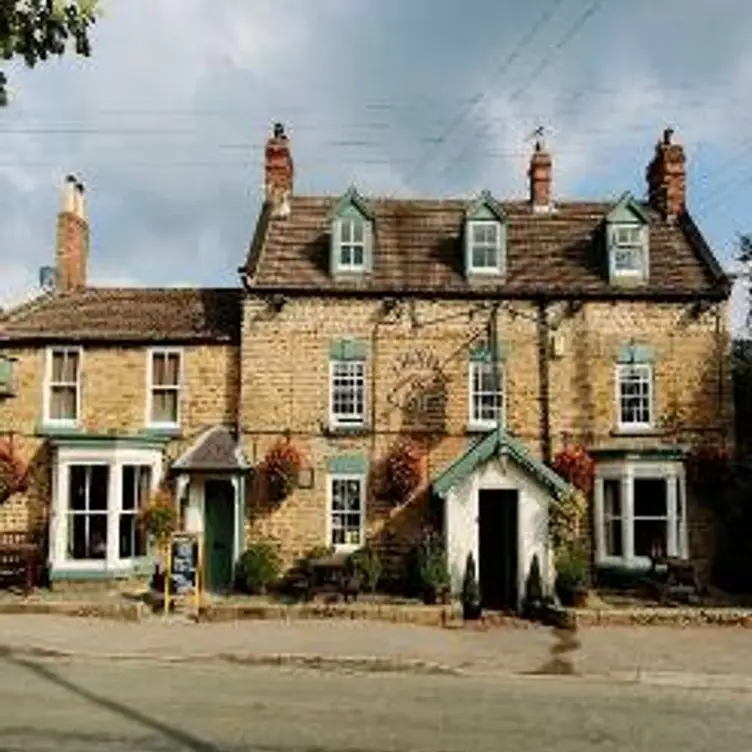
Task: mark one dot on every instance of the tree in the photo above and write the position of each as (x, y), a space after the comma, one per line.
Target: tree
(35, 29)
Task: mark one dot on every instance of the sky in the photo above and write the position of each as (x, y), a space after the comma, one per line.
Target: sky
(166, 122)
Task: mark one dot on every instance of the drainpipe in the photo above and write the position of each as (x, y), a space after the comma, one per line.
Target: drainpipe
(493, 337)
(543, 380)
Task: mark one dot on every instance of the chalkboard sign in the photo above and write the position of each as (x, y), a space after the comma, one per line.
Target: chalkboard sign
(184, 563)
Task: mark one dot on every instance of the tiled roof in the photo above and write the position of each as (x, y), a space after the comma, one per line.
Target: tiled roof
(418, 247)
(214, 450)
(128, 314)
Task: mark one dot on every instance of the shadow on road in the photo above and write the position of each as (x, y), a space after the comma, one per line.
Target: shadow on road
(560, 663)
(177, 736)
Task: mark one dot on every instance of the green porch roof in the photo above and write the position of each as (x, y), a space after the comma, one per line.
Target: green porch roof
(498, 441)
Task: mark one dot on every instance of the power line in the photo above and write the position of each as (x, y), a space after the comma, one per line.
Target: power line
(591, 10)
(480, 96)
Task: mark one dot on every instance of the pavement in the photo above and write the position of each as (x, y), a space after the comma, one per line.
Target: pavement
(82, 706)
(690, 657)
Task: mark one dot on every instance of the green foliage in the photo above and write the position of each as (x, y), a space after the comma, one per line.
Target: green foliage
(431, 560)
(368, 567)
(35, 29)
(160, 516)
(572, 567)
(259, 567)
(470, 588)
(565, 519)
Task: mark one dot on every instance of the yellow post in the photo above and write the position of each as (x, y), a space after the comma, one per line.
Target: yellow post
(199, 573)
(167, 576)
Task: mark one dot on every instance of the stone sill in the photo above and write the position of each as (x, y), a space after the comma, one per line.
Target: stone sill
(345, 431)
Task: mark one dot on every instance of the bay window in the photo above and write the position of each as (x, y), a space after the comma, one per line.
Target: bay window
(639, 512)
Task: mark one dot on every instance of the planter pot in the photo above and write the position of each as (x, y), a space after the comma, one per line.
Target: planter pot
(430, 596)
(580, 597)
(471, 611)
(572, 596)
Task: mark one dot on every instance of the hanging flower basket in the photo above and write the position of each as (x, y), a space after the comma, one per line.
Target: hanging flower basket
(282, 467)
(403, 469)
(575, 465)
(14, 472)
(160, 516)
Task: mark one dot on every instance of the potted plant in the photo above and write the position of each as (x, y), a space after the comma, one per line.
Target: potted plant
(533, 603)
(282, 467)
(432, 569)
(471, 606)
(367, 565)
(259, 567)
(572, 575)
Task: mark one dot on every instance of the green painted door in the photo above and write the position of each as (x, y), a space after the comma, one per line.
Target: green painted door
(219, 533)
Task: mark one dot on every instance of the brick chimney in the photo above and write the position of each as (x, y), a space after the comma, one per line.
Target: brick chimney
(667, 177)
(72, 238)
(278, 172)
(540, 178)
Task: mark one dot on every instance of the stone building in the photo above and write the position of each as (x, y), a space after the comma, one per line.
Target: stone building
(492, 332)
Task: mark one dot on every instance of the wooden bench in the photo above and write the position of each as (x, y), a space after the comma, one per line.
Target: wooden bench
(20, 560)
(672, 577)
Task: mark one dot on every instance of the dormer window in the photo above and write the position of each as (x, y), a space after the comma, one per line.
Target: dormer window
(484, 254)
(351, 244)
(485, 237)
(627, 242)
(351, 235)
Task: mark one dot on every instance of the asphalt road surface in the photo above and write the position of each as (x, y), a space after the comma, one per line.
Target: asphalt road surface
(143, 707)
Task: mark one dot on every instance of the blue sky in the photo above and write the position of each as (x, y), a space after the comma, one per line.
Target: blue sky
(167, 121)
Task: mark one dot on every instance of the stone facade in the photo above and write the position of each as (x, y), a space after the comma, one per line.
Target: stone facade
(285, 367)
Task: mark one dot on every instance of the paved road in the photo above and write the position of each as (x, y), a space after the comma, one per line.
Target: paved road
(117, 706)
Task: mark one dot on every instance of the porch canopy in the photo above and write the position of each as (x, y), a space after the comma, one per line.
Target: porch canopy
(214, 451)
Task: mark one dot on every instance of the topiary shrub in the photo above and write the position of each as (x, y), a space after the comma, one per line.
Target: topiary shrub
(259, 567)
(533, 589)
(367, 565)
(471, 607)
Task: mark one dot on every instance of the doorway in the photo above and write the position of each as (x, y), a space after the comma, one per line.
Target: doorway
(219, 534)
(498, 549)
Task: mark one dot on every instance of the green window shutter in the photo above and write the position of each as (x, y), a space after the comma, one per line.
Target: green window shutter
(348, 464)
(631, 353)
(484, 353)
(348, 349)
(334, 246)
(6, 375)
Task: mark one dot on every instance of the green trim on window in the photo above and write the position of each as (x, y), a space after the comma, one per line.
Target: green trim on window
(72, 436)
(348, 349)
(348, 464)
(635, 354)
(351, 200)
(485, 207)
(484, 353)
(6, 374)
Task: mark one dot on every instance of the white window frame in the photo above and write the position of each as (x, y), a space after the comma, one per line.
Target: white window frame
(677, 539)
(341, 421)
(345, 547)
(350, 223)
(635, 426)
(473, 421)
(115, 457)
(472, 245)
(150, 353)
(48, 384)
(635, 244)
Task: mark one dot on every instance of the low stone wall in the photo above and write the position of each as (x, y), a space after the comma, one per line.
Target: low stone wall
(116, 610)
(395, 613)
(689, 617)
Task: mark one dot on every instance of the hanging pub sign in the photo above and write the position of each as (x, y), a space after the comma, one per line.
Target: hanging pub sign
(183, 570)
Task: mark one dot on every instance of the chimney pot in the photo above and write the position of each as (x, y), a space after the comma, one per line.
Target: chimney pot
(72, 252)
(667, 177)
(540, 178)
(278, 172)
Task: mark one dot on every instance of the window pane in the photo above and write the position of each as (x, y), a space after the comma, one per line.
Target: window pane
(128, 500)
(164, 406)
(345, 255)
(612, 522)
(172, 369)
(357, 231)
(132, 538)
(650, 537)
(346, 233)
(348, 391)
(357, 256)
(158, 368)
(70, 367)
(347, 512)
(77, 480)
(87, 536)
(650, 497)
(98, 481)
(57, 366)
(63, 403)
(612, 497)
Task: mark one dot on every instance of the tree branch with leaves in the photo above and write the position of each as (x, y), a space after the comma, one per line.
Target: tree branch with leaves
(35, 29)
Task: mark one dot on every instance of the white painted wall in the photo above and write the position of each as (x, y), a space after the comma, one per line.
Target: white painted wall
(461, 521)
